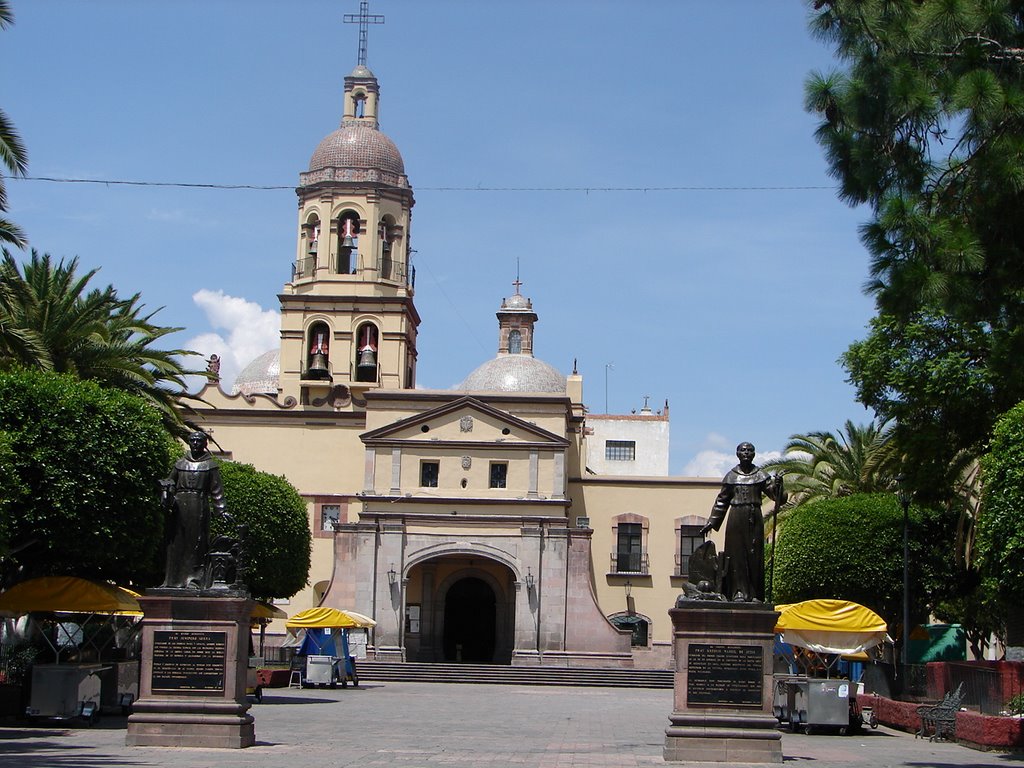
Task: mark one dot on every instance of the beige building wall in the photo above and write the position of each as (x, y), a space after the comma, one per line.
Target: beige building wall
(659, 502)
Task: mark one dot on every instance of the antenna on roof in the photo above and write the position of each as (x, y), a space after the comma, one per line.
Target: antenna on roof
(363, 19)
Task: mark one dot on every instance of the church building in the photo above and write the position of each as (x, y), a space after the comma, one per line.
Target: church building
(465, 521)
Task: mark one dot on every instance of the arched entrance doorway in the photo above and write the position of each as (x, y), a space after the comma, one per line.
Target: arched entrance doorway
(469, 621)
(460, 607)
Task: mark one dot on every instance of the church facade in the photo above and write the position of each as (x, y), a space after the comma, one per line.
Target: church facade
(465, 521)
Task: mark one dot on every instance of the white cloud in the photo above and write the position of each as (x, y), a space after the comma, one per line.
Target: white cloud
(716, 457)
(709, 464)
(245, 331)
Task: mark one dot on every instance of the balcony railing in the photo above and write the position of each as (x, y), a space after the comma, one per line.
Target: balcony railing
(629, 562)
(304, 267)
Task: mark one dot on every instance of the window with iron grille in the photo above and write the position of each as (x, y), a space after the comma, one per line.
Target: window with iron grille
(499, 474)
(620, 450)
(689, 540)
(629, 548)
(429, 472)
(330, 515)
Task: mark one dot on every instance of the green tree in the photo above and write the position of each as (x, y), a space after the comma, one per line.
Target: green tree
(925, 125)
(86, 461)
(277, 537)
(51, 320)
(1001, 525)
(851, 548)
(823, 465)
(12, 154)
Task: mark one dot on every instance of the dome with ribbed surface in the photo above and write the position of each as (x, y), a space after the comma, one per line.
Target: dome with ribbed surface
(357, 145)
(514, 373)
(261, 376)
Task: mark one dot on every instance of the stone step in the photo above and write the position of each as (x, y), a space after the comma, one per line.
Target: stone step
(508, 675)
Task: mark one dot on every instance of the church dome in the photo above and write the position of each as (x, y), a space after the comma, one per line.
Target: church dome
(261, 376)
(357, 145)
(514, 373)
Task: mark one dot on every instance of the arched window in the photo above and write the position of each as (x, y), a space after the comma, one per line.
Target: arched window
(318, 352)
(639, 625)
(348, 242)
(515, 342)
(367, 345)
(386, 262)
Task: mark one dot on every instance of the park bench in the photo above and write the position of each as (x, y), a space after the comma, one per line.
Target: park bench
(938, 721)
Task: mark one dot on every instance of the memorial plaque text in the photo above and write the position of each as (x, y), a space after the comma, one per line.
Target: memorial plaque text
(189, 661)
(724, 675)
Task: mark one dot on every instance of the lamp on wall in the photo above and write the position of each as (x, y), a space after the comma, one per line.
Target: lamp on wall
(529, 579)
(628, 586)
(392, 575)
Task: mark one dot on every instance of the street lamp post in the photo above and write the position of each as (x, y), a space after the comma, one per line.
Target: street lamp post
(904, 497)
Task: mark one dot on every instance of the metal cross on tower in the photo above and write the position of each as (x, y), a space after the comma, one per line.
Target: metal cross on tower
(363, 19)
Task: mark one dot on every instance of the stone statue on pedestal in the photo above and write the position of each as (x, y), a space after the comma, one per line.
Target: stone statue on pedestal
(742, 490)
(189, 494)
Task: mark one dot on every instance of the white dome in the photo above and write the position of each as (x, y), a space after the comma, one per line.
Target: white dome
(514, 373)
(261, 376)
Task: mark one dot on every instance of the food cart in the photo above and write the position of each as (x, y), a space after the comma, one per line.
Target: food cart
(325, 645)
(78, 617)
(822, 632)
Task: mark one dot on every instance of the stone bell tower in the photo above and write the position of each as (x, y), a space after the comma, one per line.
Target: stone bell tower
(347, 314)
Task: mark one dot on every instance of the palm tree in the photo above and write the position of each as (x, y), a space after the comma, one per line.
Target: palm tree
(12, 154)
(51, 321)
(817, 465)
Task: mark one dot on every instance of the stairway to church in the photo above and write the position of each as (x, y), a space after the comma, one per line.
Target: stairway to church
(508, 675)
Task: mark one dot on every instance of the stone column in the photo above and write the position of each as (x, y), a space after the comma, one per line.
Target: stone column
(195, 655)
(389, 596)
(722, 707)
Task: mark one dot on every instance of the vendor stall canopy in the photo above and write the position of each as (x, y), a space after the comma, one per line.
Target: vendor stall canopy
(322, 618)
(831, 626)
(69, 594)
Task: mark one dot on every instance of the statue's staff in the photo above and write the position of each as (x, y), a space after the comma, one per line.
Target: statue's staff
(779, 496)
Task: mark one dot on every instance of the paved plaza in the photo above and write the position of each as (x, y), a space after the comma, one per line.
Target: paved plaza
(408, 725)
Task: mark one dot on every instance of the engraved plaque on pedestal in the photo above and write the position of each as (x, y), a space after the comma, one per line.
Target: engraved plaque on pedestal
(725, 675)
(189, 661)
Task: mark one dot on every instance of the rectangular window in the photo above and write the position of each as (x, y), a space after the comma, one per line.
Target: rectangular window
(620, 450)
(629, 548)
(429, 472)
(330, 516)
(499, 474)
(689, 540)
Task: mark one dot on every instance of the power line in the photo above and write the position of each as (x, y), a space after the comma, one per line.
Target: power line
(586, 190)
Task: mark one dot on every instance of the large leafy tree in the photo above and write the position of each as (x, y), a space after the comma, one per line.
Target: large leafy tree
(851, 548)
(51, 320)
(925, 125)
(821, 465)
(12, 154)
(1001, 525)
(278, 540)
(81, 467)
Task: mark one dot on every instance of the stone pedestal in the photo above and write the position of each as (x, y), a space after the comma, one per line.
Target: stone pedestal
(195, 650)
(722, 708)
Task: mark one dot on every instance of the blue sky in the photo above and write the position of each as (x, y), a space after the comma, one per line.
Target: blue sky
(733, 303)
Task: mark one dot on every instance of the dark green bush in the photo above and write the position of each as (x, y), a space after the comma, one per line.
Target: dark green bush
(278, 536)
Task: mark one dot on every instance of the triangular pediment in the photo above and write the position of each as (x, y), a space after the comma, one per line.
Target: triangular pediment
(465, 420)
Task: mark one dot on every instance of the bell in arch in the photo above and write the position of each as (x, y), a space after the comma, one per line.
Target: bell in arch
(367, 357)
(318, 362)
(318, 366)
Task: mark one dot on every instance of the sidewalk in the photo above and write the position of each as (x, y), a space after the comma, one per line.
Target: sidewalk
(419, 725)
